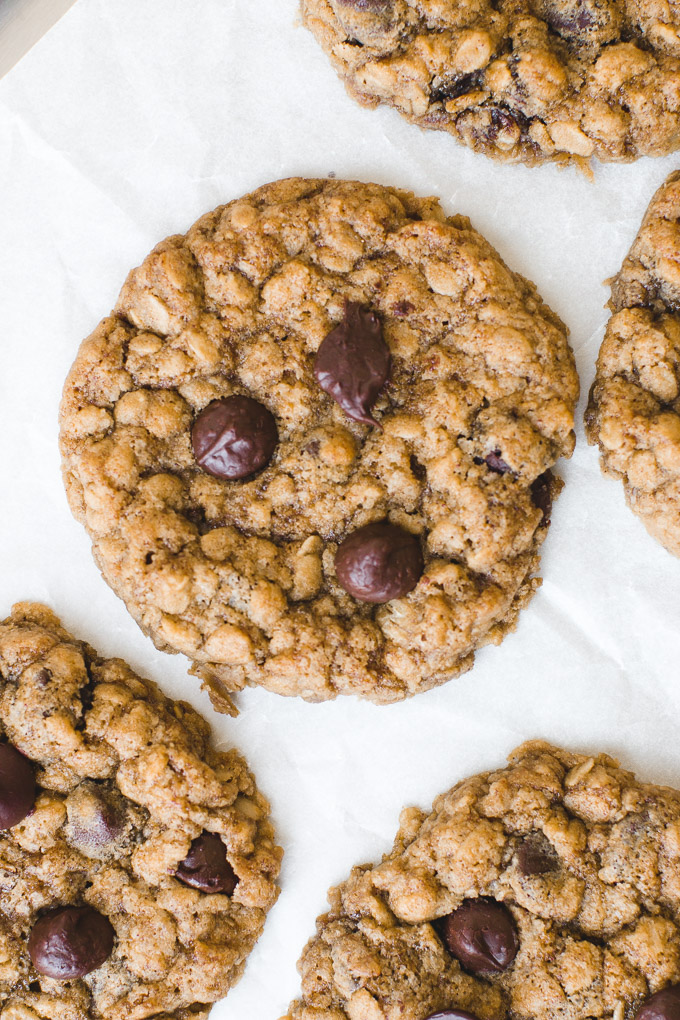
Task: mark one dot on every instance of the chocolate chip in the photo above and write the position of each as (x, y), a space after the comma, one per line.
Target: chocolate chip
(69, 942)
(503, 119)
(540, 494)
(96, 820)
(496, 463)
(379, 562)
(206, 867)
(17, 786)
(574, 18)
(234, 437)
(42, 678)
(535, 856)
(664, 1005)
(458, 86)
(452, 1014)
(418, 470)
(482, 935)
(353, 363)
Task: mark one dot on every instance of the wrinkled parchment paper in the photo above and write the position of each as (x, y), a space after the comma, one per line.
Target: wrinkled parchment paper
(125, 123)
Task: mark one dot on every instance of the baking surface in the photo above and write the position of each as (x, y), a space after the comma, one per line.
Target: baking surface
(122, 125)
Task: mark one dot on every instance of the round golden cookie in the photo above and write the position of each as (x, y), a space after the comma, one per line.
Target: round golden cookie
(633, 413)
(240, 574)
(137, 863)
(529, 80)
(546, 890)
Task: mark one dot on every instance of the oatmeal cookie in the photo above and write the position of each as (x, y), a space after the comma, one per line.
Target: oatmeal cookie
(527, 80)
(137, 863)
(633, 414)
(312, 445)
(547, 890)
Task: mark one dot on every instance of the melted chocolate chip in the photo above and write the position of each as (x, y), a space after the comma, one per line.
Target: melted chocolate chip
(379, 562)
(496, 462)
(503, 119)
(458, 86)
(583, 19)
(234, 437)
(452, 1014)
(535, 856)
(482, 935)
(206, 867)
(17, 786)
(70, 942)
(96, 820)
(574, 19)
(353, 363)
(42, 678)
(540, 494)
(418, 470)
(664, 1005)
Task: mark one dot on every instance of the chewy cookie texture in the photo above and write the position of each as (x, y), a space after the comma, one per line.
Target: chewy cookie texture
(633, 413)
(547, 890)
(527, 80)
(312, 445)
(137, 863)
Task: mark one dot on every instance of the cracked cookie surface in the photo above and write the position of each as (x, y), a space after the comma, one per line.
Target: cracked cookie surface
(633, 413)
(240, 575)
(581, 857)
(127, 785)
(527, 80)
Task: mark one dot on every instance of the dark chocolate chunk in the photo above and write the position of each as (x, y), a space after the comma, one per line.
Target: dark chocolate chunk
(17, 786)
(496, 462)
(535, 856)
(206, 867)
(458, 86)
(418, 470)
(42, 678)
(379, 562)
(577, 21)
(482, 935)
(504, 119)
(664, 1005)
(353, 363)
(234, 437)
(69, 942)
(540, 494)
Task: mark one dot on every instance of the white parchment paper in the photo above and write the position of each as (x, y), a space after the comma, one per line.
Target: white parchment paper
(127, 121)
